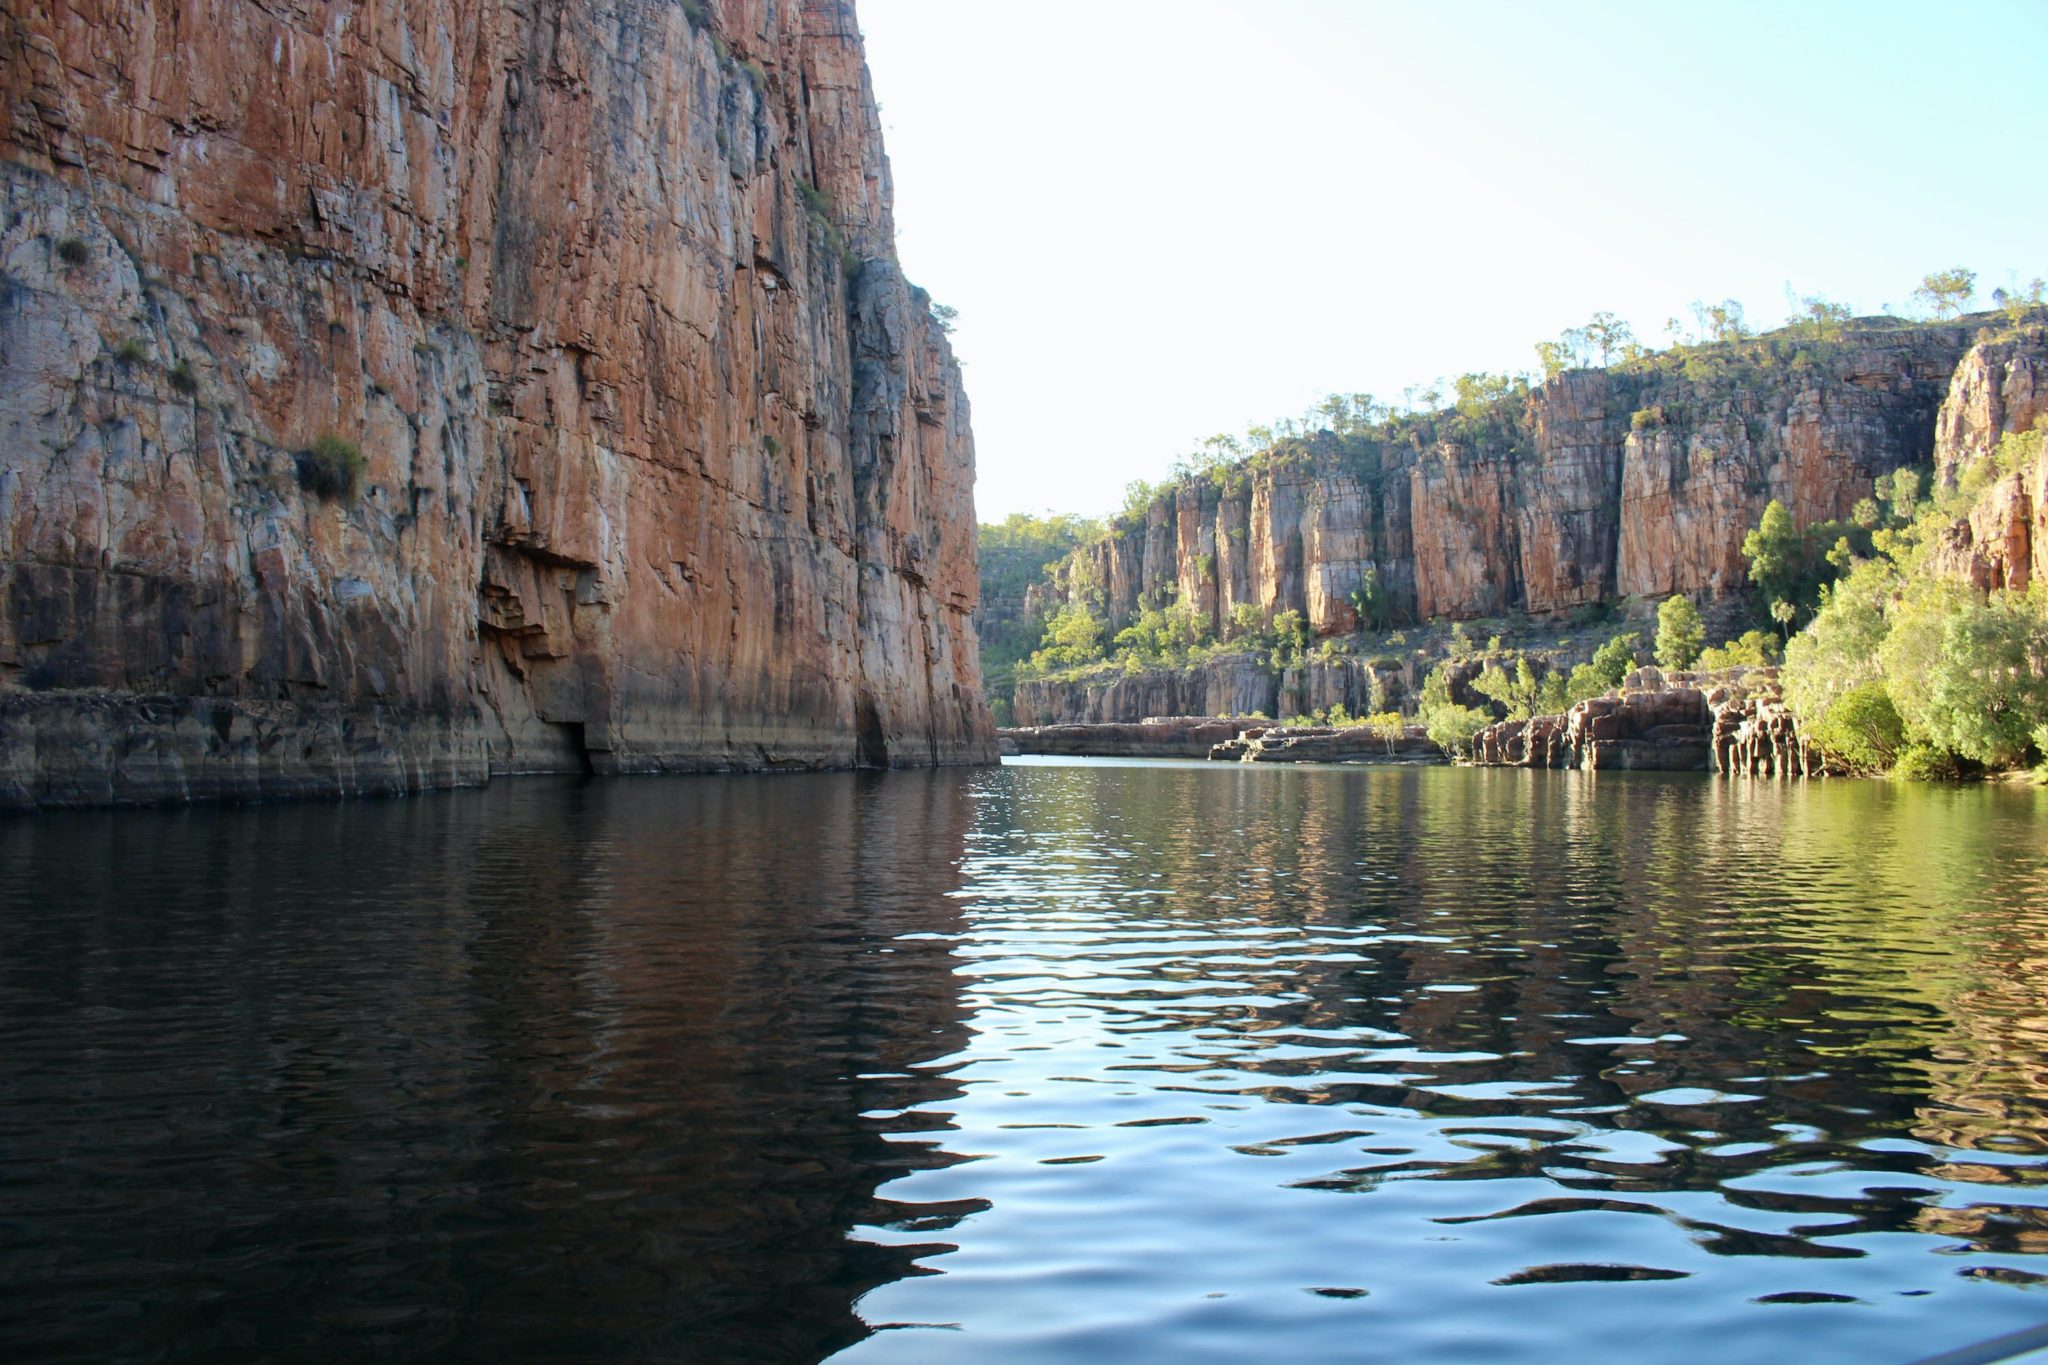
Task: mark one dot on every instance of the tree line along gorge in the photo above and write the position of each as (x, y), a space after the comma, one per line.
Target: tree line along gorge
(1818, 549)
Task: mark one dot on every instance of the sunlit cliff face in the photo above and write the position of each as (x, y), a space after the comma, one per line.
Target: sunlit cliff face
(660, 462)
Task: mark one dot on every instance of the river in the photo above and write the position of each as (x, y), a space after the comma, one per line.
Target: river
(1060, 1061)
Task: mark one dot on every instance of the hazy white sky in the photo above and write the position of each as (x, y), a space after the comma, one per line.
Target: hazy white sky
(1161, 219)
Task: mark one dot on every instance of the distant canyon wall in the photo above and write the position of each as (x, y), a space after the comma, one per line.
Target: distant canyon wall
(1615, 485)
(1611, 484)
(663, 464)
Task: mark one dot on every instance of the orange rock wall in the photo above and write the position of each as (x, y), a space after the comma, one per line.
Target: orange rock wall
(1608, 484)
(2000, 388)
(666, 465)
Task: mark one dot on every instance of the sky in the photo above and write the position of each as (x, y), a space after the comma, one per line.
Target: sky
(1165, 219)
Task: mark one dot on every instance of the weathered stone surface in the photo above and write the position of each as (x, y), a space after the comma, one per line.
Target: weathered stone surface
(1630, 482)
(1755, 735)
(1732, 721)
(2000, 388)
(665, 465)
(1327, 744)
(1228, 685)
(1153, 737)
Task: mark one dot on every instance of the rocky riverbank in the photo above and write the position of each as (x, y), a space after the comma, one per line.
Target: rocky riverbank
(1223, 738)
(1732, 721)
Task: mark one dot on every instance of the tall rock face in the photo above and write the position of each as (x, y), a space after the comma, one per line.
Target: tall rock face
(1637, 481)
(1999, 390)
(663, 464)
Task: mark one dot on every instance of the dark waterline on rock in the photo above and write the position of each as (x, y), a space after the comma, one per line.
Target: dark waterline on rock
(1059, 1060)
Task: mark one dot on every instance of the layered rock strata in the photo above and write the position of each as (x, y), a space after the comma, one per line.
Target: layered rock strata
(661, 463)
(1329, 744)
(1999, 389)
(1153, 737)
(1606, 484)
(1235, 684)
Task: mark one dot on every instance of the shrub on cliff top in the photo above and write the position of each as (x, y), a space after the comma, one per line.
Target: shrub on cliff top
(333, 468)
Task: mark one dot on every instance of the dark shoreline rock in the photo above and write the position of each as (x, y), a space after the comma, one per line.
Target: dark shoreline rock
(1733, 721)
(1221, 738)
(72, 750)
(1153, 737)
(1331, 744)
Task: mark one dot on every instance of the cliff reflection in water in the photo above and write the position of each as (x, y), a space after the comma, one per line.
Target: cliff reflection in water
(1695, 1056)
(548, 1071)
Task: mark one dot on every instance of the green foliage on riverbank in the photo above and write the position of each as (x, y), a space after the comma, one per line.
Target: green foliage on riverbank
(1016, 553)
(1906, 667)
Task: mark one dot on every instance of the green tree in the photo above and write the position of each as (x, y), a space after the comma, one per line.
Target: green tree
(1613, 660)
(1989, 685)
(1680, 632)
(1608, 334)
(1776, 553)
(1862, 730)
(1391, 727)
(1447, 722)
(1519, 693)
(1750, 649)
(1945, 293)
(1073, 637)
(2020, 302)
(1372, 602)
(1819, 319)
(1290, 638)
(1721, 322)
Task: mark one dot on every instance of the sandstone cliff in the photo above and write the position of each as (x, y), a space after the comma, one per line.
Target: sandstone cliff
(2000, 388)
(664, 466)
(1636, 481)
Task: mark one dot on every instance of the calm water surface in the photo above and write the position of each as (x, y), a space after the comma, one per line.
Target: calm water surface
(1053, 1062)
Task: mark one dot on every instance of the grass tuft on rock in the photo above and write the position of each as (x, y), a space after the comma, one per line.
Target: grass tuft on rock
(332, 469)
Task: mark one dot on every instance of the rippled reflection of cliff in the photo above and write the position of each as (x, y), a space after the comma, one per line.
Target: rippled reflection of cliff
(546, 1071)
(1859, 956)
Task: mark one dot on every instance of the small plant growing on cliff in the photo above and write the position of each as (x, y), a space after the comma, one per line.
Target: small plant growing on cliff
(72, 252)
(1946, 293)
(1680, 633)
(332, 469)
(2018, 303)
(182, 379)
(131, 352)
